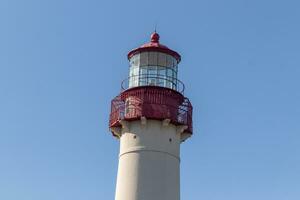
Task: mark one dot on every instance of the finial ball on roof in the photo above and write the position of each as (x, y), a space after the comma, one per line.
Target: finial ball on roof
(155, 37)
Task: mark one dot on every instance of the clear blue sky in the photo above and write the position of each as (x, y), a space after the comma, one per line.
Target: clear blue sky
(62, 61)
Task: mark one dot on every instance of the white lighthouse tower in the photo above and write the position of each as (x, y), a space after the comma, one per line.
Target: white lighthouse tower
(151, 117)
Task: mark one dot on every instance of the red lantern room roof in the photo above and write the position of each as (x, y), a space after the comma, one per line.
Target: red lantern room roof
(154, 45)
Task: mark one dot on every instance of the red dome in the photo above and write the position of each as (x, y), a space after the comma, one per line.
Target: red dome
(154, 45)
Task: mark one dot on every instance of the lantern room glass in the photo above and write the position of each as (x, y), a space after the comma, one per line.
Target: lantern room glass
(153, 68)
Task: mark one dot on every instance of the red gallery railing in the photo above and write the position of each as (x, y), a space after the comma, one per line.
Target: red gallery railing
(152, 102)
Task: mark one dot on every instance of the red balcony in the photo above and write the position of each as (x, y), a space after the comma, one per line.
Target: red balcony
(152, 102)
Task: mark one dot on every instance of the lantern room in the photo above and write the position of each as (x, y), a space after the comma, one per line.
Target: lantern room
(153, 64)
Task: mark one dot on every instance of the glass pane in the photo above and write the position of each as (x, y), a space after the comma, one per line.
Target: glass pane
(162, 59)
(168, 84)
(134, 61)
(174, 62)
(143, 76)
(143, 81)
(136, 81)
(143, 71)
(175, 85)
(161, 72)
(152, 72)
(137, 59)
(151, 81)
(160, 82)
(169, 61)
(144, 59)
(169, 73)
(135, 71)
(130, 71)
(175, 68)
(174, 74)
(152, 58)
(131, 82)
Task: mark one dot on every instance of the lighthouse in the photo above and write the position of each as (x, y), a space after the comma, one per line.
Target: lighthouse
(151, 117)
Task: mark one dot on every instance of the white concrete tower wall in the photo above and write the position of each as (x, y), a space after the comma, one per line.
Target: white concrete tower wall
(149, 161)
